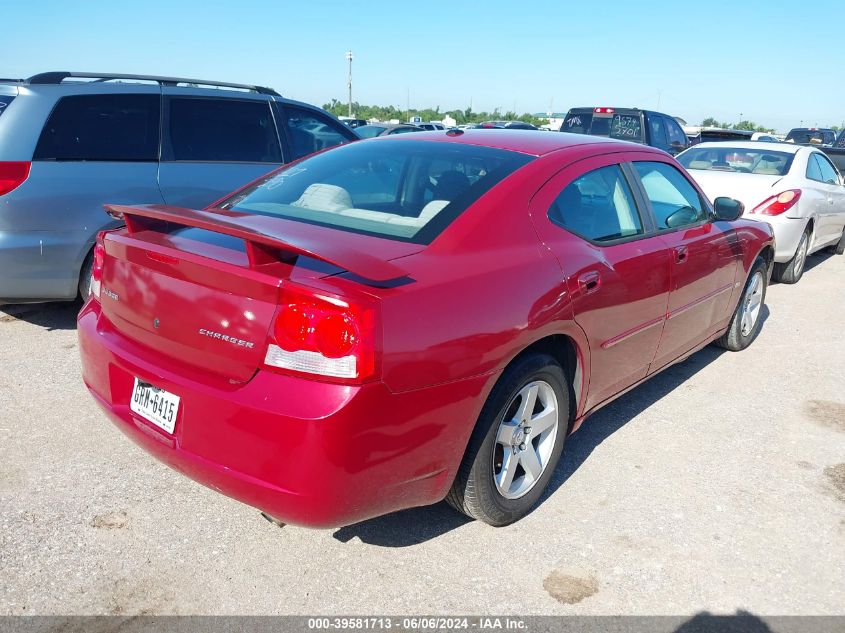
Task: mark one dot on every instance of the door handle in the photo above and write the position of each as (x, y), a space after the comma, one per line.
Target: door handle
(681, 253)
(589, 282)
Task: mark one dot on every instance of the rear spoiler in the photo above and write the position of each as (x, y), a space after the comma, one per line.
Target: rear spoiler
(264, 237)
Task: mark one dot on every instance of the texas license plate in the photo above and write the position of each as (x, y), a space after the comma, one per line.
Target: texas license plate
(156, 405)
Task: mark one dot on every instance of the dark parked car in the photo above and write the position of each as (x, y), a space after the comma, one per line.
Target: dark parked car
(406, 319)
(506, 125)
(811, 136)
(628, 124)
(717, 134)
(386, 129)
(70, 142)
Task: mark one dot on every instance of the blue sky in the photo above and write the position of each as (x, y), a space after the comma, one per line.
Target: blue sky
(777, 63)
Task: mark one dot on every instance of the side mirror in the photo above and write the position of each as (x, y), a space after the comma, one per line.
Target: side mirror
(728, 209)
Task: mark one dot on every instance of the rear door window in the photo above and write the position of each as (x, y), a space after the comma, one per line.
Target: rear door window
(598, 206)
(814, 171)
(310, 132)
(221, 130)
(117, 127)
(677, 138)
(658, 132)
(673, 199)
(827, 170)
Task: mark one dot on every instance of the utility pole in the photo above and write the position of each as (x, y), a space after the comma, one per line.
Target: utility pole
(349, 84)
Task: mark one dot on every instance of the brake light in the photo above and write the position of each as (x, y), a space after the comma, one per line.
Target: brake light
(12, 175)
(781, 203)
(97, 267)
(318, 335)
(603, 110)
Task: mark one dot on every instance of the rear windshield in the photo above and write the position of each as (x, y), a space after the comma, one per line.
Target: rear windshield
(5, 100)
(627, 127)
(726, 135)
(738, 160)
(406, 190)
(369, 131)
(806, 137)
(840, 140)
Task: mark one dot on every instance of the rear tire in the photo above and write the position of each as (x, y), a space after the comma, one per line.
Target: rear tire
(790, 272)
(85, 277)
(839, 247)
(746, 320)
(491, 484)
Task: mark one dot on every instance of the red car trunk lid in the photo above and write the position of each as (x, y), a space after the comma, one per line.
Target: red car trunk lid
(212, 307)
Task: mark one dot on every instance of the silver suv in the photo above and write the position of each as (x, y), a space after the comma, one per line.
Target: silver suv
(70, 142)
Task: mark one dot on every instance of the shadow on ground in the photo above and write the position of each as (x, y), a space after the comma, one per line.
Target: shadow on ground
(741, 622)
(817, 259)
(417, 525)
(50, 316)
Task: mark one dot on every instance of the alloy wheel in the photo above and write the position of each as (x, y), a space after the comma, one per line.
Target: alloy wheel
(801, 255)
(752, 303)
(525, 439)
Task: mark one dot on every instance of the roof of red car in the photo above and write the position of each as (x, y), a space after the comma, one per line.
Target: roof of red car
(531, 142)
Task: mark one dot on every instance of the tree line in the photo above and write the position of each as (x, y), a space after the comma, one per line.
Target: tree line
(467, 116)
(744, 125)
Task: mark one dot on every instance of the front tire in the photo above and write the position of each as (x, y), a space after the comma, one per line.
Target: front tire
(746, 321)
(790, 272)
(516, 444)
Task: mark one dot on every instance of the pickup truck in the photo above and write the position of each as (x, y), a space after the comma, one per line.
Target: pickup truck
(836, 152)
(628, 124)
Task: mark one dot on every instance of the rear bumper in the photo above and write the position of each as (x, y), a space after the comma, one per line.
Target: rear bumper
(305, 452)
(788, 232)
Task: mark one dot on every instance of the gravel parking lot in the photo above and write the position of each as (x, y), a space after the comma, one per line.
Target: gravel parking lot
(717, 486)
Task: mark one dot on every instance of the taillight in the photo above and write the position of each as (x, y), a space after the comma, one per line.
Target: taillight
(12, 175)
(778, 204)
(603, 110)
(97, 267)
(323, 336)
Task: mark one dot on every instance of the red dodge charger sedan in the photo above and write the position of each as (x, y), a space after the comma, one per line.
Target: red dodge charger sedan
(406, 319)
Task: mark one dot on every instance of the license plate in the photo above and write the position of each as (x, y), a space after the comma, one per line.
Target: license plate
(156, 405)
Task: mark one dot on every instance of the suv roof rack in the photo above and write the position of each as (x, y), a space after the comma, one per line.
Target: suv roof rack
(59, 76)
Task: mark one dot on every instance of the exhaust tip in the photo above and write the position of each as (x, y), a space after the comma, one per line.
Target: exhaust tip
(273, 520)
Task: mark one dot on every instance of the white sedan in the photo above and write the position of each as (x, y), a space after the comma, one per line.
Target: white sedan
(794, 188)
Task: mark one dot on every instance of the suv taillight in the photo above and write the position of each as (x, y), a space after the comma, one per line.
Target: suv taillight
(97, 267)
(318, 335)
(12, 175)
(778, 204)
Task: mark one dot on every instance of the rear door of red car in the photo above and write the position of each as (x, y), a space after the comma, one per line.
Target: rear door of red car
(704, 256)
(591, 215)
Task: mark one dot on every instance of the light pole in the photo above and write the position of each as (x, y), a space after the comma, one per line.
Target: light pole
(349, 84)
